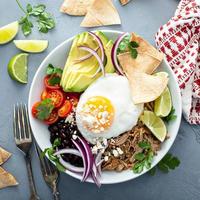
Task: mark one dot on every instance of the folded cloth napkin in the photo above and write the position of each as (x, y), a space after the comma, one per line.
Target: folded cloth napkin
(179, 40)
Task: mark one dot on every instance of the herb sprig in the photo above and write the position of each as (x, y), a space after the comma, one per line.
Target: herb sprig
(55, 74)
(144, 158)
(44, 109)
(169, 162)
(45, 20)
(50, 152)
(127, 45)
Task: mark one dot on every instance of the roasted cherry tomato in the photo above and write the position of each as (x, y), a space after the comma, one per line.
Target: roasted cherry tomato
(44, 95)
(56, 96)
(65, 109)
(73, 97)
(34, 109)
(52, 118)
(48, 85)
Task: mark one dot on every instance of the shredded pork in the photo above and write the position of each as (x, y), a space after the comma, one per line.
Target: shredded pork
(128, 143)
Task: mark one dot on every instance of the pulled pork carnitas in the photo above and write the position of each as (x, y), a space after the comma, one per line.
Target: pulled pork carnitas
(128, 144)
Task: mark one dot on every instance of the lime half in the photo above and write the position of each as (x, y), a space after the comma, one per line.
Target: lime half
(31, 46)
(17, 67)
(163, 104)
(154, 124)
(8, 32)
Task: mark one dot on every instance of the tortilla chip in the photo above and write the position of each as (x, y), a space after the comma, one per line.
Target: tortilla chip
(4, 155)
(101, 13)
(148, 59)
(124, 2)
(144, 87)
(76, 7)
(6, 179)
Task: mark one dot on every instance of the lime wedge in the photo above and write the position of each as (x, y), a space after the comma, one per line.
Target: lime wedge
(17, 67)
(163, 104)
(8, 32)
(154, 124)
(31, 46)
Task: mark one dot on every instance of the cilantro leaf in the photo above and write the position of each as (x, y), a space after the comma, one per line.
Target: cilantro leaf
(144, 145)
(44, 109)
(134, 53)
(133, 44)
(53, 70)
(55, 80)
(171, 115)
(169, 162)
(123, 46)
(139, 156)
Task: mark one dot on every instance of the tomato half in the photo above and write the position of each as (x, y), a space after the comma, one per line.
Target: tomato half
(65, 109)
(73, 97)
(52, 118)
(44, 95)
(34, 109)
(56, 96)
(48, 86)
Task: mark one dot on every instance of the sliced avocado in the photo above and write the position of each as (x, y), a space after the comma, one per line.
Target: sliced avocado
(77, 76)
(103, 37)
(109, 65)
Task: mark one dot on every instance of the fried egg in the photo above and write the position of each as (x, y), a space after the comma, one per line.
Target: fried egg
(106, 109)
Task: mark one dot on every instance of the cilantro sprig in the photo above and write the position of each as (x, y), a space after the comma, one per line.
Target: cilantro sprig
(44, 109)
(55, 74)
(127, 45)
(169, 162)
(45, 20)
(144, 158)
(50, 152)
(171, 115)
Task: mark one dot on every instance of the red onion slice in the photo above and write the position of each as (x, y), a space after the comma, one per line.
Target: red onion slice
(114, 53)
(89, 156)
(85, 57)
(100, 45)
(94, 53)
(83, 155)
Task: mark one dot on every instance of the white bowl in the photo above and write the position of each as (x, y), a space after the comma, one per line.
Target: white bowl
(58, 58)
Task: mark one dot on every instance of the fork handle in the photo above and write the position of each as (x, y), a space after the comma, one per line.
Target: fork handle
(33, 192)
(56, 194)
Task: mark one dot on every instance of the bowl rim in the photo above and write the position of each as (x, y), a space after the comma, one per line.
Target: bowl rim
(179, 115)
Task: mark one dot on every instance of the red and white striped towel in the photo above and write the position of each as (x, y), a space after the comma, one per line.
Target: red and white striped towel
(179, 40)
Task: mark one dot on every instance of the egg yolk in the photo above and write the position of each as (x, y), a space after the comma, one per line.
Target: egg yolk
(97, 114)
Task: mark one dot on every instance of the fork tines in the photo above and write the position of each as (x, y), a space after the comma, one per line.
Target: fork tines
(21, 125)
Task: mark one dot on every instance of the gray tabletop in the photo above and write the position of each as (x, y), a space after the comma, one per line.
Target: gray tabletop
(143, 17)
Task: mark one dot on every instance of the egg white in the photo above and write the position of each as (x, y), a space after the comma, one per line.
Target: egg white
(115, 88)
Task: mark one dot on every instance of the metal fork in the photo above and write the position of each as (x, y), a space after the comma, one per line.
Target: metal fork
(23, 140)
(49, 172)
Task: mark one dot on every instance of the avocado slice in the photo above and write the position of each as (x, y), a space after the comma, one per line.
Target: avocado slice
(78, 76)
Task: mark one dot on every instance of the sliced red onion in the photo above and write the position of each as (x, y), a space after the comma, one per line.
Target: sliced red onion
(96, 179)
(85, 57)
(94, 53)
(114, 53)
(100, 45)
(89, 157)
(67, 165)
(98, 162)
(83, 155)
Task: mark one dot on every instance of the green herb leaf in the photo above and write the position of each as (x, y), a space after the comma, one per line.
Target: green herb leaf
(53, 70)
(171, 115)
(134, 53)
(44, 109)
(138, 167)
(144, 145)
(55, 80)
(133, 44)
(139, 156)
(29, 8)
(123, 46)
